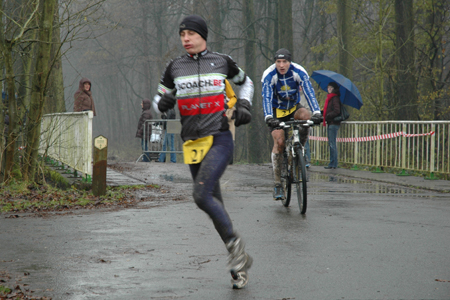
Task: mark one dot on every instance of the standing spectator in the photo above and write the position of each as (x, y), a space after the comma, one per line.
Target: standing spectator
(331, 110)
(168, 138)
(146, 115)
(83, 97)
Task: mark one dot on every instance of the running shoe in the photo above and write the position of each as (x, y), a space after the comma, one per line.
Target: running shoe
(238, 263)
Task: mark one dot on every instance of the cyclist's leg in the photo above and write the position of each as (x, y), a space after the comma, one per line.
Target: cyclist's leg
(303, 114)
(277, 161)
(277, 153)
(206, 177)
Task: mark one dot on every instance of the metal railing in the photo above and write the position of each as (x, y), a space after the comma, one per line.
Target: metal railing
(405, 145)
(161, 127)
(67, 138)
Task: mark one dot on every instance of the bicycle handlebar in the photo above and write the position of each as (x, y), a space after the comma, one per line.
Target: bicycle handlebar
(287, 124)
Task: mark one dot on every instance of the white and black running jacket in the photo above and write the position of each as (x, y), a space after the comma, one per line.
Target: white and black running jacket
(200, 83)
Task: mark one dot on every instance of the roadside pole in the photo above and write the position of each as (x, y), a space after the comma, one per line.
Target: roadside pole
(100, 162)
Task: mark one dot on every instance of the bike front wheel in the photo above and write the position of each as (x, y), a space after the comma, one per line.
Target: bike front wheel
(299, 178)
(285, 182)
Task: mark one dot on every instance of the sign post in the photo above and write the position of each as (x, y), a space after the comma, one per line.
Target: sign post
(100, 162)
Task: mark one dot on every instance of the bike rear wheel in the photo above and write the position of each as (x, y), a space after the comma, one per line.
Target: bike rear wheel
(285, 181)
(299, 178)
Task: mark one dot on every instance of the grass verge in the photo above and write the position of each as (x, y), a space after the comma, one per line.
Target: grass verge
(44, 198)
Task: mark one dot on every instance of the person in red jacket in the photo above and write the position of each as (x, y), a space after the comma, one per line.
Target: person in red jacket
(83, 97)
(331, 110)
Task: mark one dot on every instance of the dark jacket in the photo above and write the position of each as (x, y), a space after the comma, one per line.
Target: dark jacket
(83, 99)
(199, 81)
(333, 110)
(146, 115)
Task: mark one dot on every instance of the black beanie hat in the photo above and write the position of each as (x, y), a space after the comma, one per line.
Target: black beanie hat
(283, 54)
(195, 23)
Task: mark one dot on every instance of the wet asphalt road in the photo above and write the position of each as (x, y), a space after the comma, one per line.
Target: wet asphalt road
(360, 239)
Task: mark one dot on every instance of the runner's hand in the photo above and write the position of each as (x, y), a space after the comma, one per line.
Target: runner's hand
(167, 101)
(273, 123)
(242, 113)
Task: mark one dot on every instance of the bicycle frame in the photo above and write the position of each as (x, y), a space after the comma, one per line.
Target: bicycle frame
(294, 166)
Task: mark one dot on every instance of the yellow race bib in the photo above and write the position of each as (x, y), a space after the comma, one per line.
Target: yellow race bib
(285, 112)
(195, 150)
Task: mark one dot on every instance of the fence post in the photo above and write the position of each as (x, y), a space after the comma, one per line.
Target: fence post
(403, 172)
(432, 153)
(355, 151)
(377, 168)
(100, 165)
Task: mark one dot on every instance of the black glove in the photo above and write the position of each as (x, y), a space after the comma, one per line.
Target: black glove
(167, 101)
(317, 118)
(242, 113)
(273, 123)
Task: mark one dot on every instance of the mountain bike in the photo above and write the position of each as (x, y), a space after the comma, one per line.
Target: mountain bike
(293, 169)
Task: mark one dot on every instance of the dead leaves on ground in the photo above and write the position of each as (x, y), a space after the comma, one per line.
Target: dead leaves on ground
(47, 199)
(20, 292)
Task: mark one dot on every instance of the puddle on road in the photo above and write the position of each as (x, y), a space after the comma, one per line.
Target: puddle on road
(167, 177)
(364, 187)
(175, 179)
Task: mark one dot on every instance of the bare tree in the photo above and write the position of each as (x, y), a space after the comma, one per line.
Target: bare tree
(40, 79)
(285, 33)
(406, 80)
(344, 23)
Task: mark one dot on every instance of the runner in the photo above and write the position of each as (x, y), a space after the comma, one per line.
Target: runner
(196, 82)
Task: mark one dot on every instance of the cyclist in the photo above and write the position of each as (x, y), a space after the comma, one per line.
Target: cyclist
(196, 82)
(281, 84)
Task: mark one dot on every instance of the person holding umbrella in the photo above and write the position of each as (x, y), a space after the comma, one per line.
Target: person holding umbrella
(341, 90)
(331, 110)
(281, 85)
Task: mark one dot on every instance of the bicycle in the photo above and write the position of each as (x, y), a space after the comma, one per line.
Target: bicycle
(293, 169)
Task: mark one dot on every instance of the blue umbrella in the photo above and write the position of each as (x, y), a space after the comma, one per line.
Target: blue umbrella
(349, 92)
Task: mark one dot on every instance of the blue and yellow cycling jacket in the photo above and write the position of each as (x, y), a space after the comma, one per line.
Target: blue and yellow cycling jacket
(282, 91)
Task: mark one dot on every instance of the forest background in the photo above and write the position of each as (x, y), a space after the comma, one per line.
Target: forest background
(395, 51)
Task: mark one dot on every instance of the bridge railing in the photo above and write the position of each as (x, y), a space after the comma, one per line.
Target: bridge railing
(161, 127)
(406, 145)
(67, 138)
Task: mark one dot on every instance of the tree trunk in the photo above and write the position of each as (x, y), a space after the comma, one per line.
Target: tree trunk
(254, 128)
(55, 101)
(216, 24)
(6, 48)
(433, 81)
(285, 32)
(276, 37)
(146, 49)
(344, 20)
(406, 81)
(10, 102)
(39, 87)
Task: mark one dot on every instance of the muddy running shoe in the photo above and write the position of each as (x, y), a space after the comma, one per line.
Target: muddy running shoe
(238, 263)
(278, 192)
